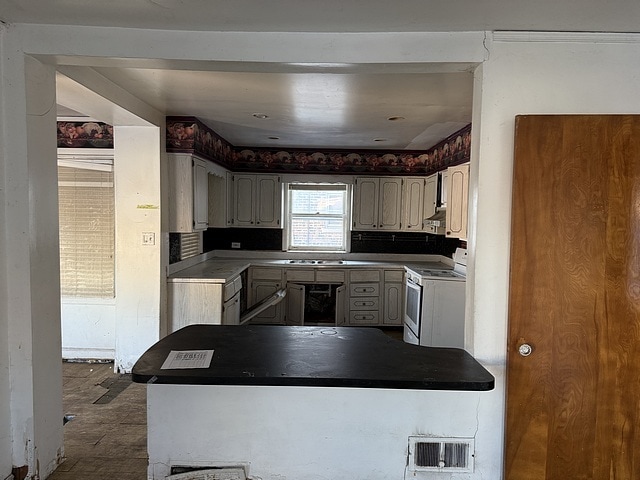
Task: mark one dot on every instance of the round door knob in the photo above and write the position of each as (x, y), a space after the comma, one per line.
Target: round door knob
(525, 349)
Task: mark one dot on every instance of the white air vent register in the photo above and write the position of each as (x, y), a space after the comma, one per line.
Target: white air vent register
(436, 454)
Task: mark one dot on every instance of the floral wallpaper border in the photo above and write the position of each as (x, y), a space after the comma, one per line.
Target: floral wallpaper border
(188, 134)
(84, 135)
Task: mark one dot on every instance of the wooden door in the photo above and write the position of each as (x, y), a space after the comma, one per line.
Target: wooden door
(573, 404)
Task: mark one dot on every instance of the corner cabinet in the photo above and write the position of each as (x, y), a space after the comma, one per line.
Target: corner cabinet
(377, 203)
(458, 201)
(257, 200)
(188, 193)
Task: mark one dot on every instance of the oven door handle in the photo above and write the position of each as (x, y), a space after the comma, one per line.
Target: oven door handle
(412, 281)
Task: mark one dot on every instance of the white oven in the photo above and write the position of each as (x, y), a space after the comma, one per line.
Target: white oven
(435, 304)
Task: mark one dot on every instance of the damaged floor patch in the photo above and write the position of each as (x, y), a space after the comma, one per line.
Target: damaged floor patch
(115, 386)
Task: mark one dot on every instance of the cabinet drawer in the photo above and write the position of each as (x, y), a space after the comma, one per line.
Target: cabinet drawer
(299, 275)
(364, 303)
(364, 317)
(266, 273)
(394, 276)
(330, 276)
(364, 275)
(364, 289)
(231, 288)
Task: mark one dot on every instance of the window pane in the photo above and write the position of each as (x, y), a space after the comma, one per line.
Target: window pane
(317, 201)
(317, 232)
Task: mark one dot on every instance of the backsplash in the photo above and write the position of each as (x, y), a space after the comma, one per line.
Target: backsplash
(190, 135)
(402, 242)
(270, 239)
(248, 238)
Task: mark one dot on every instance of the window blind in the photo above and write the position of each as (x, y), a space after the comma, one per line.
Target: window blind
(87, 228)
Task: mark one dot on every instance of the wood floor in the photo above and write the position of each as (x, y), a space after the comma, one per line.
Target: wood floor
(107, 438)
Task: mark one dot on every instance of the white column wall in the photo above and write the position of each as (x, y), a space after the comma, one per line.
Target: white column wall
(30, 260)
(5, 374)
(138, 267)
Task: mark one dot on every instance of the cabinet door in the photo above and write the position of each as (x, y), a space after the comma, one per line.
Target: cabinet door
(392, 304)
(261, 290)
(341, 312)
(231, 200)
(444, 188)
(244, 195)
(389, 203)
(200, 195)
(193, 302)
(365, 204)
(295, 304)
(269, 200)
(430, 196)
(458, 201)
(188, 193)
(413, 194)
(231, 311)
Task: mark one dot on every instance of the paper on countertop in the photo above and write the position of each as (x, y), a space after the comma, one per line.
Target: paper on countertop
(188, 359)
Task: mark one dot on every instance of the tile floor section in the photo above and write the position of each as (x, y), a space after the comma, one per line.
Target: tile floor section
(107, 438)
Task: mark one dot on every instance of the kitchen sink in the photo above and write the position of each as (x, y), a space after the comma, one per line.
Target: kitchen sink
(316, 262)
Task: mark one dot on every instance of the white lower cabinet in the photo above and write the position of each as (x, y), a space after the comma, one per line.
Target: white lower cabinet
(265, 282)
(364, 297)
(393, 304)
(295, 304)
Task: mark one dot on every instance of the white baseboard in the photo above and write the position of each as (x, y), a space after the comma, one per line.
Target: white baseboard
(77, 353)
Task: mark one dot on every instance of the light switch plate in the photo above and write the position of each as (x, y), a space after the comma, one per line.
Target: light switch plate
(148, 238)
(235, 244)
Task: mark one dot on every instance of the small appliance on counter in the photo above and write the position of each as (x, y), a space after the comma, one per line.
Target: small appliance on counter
(435, 305)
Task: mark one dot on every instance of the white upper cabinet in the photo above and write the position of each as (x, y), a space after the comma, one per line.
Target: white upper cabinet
(188, 193)
(377, 203)
(413, 204)
(458, 201)
(257, 200)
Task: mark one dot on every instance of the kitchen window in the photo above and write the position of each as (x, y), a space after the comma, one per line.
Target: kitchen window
(317, 217)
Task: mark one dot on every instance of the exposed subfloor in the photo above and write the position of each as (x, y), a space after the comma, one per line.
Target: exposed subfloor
(107, 436)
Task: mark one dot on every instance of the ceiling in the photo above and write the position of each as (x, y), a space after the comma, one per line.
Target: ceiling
(388, 110)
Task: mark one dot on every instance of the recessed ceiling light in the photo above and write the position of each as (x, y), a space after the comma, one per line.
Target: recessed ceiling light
(273, 138)
(261, 116)
(380, 139)
(395, 118)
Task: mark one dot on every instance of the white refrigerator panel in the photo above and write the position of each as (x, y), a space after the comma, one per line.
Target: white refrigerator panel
(442, 322)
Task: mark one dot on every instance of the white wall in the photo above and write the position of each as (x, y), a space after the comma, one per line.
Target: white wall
(30, 276)
(88, 328)
(310, 432)
(5, 377)
(139, 272)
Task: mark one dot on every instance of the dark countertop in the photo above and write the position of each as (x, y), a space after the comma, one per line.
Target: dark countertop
(314, 357)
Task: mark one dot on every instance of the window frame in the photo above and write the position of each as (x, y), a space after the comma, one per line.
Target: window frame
(345, 216)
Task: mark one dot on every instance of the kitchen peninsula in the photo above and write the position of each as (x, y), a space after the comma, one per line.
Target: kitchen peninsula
(285, 401)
